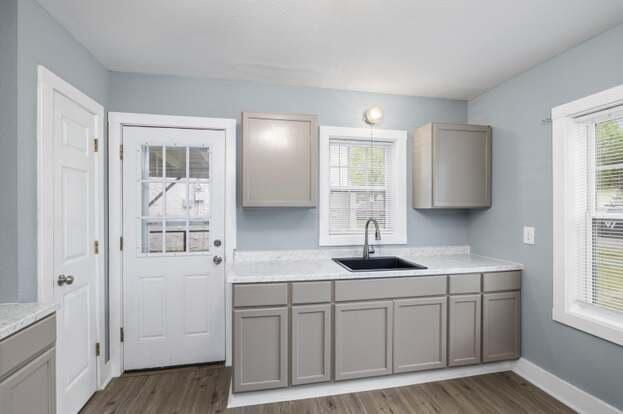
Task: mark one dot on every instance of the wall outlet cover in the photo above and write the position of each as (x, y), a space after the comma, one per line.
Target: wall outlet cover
(528, 235)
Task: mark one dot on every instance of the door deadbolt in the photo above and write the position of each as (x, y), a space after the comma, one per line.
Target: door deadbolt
(217, 243)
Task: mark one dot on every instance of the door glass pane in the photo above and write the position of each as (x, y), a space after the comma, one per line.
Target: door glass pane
(152, 159)
(152, 236)
(199, 162)
(177, 200)
(175, 236)
(199, 200)
(153, 199)
(199, 235)
(176, 162)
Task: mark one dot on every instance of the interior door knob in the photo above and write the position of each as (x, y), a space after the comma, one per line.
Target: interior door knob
(217, 260)
(62, 280)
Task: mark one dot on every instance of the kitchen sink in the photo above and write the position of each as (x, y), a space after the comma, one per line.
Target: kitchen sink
(358, 264)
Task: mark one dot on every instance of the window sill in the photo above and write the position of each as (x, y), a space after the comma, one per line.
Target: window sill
(591, 319)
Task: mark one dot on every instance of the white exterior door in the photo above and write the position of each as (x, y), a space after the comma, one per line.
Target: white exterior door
(74, 259)
(173, 229)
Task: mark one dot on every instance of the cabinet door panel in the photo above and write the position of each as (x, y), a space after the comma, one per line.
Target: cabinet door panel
(461, 165)
(363, 339)
(419, 334)
(31, 389)
(501, 326)
(464, 330)
(279, 153)
(311, 344)
(260, 349)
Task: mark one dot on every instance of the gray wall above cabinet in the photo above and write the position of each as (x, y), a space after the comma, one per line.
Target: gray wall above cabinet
(452, 166)
(279, 160)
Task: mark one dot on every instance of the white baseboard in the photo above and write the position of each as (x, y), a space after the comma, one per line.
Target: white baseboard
(569, 394)
(368, 384)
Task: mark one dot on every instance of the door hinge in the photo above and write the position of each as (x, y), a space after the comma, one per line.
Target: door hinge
(121, 152)
(97, 349)
(95, 145)
(120, 243)
(96, 247)
(121, 334)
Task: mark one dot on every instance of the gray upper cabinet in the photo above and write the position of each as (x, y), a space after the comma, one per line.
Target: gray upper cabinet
(279, 160)
(419, 334)
(452, 166)
(363, 339)
(260, 349)
(311, 344)
(501, 326)
(464, 330)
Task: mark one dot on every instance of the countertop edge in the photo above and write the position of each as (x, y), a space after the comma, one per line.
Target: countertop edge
(28, 318)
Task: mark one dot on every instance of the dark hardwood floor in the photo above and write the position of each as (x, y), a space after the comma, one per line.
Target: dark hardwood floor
(204, 389)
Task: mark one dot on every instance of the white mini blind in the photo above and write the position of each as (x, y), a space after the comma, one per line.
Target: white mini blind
(602, 282)
(360, 179)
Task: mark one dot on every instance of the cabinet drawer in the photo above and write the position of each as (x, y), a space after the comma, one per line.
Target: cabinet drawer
(311, 292)
(468, 283)
(24, 345)
(261, 294)
(400, 287)
(498, 281)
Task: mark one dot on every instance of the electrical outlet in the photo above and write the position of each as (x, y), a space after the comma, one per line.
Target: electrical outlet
(528, 235)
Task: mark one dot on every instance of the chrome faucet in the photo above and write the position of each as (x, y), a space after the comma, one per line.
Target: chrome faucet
(367, 250)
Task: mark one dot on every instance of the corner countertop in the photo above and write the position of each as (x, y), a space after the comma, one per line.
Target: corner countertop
(286, 266)
(16, 316)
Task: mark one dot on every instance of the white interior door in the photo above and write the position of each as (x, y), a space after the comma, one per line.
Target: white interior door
(173, 229)
(74, 256)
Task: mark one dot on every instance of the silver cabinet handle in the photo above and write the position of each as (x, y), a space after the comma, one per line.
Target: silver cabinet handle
(217, 260)
(62, 280)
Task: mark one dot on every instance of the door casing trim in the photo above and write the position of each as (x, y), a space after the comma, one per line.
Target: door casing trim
(116, 122)
(47, 83)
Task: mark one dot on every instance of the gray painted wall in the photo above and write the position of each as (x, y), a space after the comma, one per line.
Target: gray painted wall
(274, 228)
(522, 195)
(40, 40)
(8, 154)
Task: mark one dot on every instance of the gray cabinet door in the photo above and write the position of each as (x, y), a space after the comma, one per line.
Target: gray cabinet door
(452, 166)
(260, 349)
(279, 153)
(420, 334)
(464, 330)
(501, 335)
(311, 344)
(31, 389)
(363, 339)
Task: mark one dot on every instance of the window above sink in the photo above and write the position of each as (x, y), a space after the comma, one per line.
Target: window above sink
(362, 176)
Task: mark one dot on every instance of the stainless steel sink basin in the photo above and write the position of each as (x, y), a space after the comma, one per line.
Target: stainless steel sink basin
(358, 264)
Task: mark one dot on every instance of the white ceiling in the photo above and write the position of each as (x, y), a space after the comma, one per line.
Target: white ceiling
(444, 48)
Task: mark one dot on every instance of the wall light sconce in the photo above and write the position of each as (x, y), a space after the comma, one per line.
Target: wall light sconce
(373, 115)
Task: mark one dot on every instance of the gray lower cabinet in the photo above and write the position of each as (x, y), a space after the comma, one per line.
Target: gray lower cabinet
(420, 334)
(260, 349)
(464, 330)
(31, 389)
(311, 344)
(501, 320)
(363, 339)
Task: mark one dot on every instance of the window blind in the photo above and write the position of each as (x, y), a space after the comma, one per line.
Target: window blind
(360, 187)
(602, 282)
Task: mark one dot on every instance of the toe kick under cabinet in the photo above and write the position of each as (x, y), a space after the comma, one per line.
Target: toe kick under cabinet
(291, 334)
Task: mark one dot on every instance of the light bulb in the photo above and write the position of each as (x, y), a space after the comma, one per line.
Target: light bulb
(373, 115)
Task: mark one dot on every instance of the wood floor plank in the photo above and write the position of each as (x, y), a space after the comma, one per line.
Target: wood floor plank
(204, 389)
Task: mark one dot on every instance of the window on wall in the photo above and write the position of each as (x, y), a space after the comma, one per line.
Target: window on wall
(588, 214)
(362, 176)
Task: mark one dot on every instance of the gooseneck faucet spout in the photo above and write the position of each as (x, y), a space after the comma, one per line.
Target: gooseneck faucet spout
(367, 250)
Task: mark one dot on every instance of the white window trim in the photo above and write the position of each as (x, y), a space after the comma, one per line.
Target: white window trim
(399, 140)
(585, 317)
